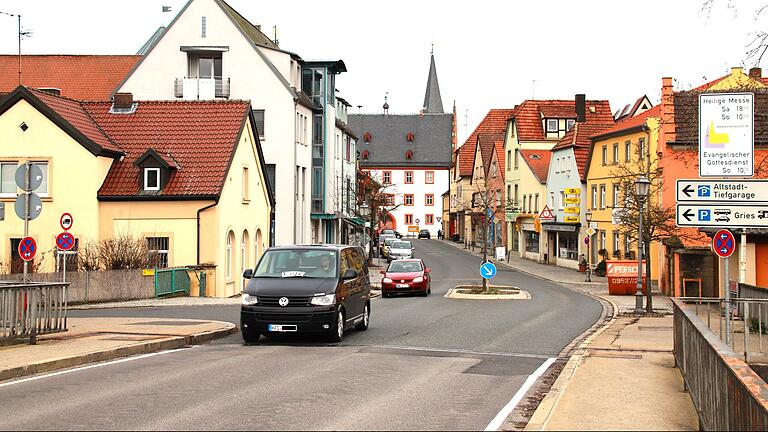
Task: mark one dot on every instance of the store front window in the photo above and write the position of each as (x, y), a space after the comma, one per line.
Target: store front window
(531, 241)
(569, 246)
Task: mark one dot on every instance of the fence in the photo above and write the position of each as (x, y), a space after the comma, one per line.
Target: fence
(100, 286)
(28, 311)
(727, 393)
(171, 281)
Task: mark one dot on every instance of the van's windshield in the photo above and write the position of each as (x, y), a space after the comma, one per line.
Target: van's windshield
(298, 263)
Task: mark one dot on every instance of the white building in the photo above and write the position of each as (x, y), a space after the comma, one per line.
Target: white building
(210, 51)
(411, 155)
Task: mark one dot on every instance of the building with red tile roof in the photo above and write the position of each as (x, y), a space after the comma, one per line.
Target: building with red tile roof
(81, 77)
(538, 162)
(186, 177)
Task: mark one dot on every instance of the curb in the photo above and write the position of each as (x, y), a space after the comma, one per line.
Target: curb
(546, 407)
(125, 351)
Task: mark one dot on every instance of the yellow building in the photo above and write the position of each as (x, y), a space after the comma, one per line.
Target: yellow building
(616, 152)
(532, 179)
(187, 177)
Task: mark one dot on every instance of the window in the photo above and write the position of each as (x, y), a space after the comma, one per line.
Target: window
(568, 164)
(509, 160)
(627, 151)
(429, 219)
(530, 202)
(409, 177)
(409, 219)
(429, 199)
(569, 124)
(386, 177)
(603, 238)
(531, 241)
(229, 263)
(389, 199)
(552, 199)
(536, 203)
(517, 200)
(243, 251)
(525, 199)
(494, 169)
(616, 245)
(605, 155)
(616, 196)
(517, 157)
(7, 178)
(202, 27)
(151, 179)
(157, 248)
(245, 184)
(616, 153)
(258, 115)
(429, 177)
(641, 148)
(602, 196)
(562, 200)
(408, 199)
(627, 244)
(594, 197)
(498, 198)
(552, 125)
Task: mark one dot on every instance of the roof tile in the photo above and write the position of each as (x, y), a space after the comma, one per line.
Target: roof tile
(538, 161)
(493, 122)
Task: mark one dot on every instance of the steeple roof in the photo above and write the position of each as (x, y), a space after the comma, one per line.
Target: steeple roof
(433, 102)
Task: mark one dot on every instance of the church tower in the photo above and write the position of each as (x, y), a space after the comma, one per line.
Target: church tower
(433, 102)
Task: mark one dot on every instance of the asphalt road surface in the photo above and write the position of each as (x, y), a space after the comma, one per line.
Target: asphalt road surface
(424, 363)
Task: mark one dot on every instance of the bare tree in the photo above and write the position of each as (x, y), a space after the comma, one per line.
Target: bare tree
(124, 252)
(380, 198)
(758, 42)
(88, 256)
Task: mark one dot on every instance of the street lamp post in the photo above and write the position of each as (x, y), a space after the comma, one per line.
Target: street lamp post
(588, 216)
(642, 184)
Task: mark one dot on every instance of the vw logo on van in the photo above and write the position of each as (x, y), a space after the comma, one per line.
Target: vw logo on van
(283, 301)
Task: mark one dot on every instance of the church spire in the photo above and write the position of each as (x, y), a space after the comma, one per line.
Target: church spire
(433, 102)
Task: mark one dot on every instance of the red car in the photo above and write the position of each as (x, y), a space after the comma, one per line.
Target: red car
(407, 276)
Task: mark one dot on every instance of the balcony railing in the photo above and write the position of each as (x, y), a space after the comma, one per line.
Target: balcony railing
(193, 88)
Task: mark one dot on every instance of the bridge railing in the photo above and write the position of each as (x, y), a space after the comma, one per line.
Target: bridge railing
(30, 310)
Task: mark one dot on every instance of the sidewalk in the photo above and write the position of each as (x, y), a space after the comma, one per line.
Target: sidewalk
(622, 379)
(98, 339)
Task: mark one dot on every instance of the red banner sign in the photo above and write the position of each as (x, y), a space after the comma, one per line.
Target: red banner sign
(622, 277)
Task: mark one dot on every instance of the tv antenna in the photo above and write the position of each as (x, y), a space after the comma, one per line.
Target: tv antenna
(22, 34)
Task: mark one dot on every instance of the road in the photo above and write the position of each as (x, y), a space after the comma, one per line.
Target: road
(425, 363)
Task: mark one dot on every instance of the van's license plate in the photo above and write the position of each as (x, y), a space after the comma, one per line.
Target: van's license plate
(401, 286)
(281, 328)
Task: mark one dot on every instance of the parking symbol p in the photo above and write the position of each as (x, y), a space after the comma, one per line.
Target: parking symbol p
(703, 191)
(705, 215)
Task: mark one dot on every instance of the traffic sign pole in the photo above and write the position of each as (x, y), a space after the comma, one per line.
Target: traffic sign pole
(27, 181)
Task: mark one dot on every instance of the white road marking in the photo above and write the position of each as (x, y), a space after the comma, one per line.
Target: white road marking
(108, 363)
(497, 421)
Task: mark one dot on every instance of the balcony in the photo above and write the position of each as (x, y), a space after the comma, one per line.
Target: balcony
(192, 88)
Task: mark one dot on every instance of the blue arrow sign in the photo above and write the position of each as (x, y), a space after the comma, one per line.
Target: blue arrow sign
(488, 270)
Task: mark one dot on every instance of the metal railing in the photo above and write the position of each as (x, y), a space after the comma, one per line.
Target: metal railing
(31, 310)
(221, 86)
(726, 392)
(748, 324)
(171, 281)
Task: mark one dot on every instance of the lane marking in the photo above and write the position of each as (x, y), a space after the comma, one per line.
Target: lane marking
(497, 421)
(108, 363)
(454, 351)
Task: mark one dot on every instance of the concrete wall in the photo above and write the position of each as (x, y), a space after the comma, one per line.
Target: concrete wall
(100, 286)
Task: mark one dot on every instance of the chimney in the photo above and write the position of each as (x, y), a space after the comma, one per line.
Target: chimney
(581, 108)
(667, 117)
(123, 101)
(756, 73)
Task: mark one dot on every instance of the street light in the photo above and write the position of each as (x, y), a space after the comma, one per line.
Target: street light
(588, 216)
(642, 184)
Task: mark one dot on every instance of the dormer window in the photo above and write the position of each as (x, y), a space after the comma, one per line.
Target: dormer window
(552, 125)
(409, 155)
(569, 124)
(409, 136)
(151, 179)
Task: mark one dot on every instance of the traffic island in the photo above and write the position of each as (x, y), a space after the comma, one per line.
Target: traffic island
(492, 292)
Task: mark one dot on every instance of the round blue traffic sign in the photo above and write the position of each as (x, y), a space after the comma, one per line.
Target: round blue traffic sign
(65, 241)
(27, 248)
(723, 243)
(488, 270)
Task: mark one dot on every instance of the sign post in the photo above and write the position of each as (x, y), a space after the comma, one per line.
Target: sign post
(723, 244)
(28, 178)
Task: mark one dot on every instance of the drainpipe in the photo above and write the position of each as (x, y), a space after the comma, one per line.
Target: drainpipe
(296, 226)
(198, 228)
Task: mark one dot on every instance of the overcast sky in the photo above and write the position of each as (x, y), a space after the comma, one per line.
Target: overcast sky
(488, 52)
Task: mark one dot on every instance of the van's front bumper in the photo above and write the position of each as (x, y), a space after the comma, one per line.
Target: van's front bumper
(306, 319)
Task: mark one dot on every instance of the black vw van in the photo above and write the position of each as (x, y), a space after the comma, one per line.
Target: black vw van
(322, 289)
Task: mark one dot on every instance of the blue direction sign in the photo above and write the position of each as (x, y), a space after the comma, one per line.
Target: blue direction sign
(488, 270)
(723, 243)
(65, 241)
(27, 248)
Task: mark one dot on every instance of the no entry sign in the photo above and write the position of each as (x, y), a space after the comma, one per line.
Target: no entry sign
(723, 243)
(27, 248)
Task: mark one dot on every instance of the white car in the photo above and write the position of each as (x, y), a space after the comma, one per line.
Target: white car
(400, 250)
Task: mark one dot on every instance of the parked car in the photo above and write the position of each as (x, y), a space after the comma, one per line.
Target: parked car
(400, 249)
(382, 238)
(391, 232)
(406, 276)
(424, 234)
(387, 244)
(322, 289)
